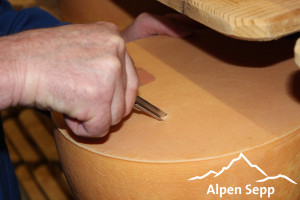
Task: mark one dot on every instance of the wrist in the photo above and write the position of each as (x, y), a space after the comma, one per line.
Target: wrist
(12, 71)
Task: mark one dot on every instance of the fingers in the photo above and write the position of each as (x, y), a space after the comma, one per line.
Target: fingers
(100, 85)
(146, 25)
(175, 25)
(126, 91)
(123, 89)
(118, 101)
(98, 126)
(110, 114)
(131, 84)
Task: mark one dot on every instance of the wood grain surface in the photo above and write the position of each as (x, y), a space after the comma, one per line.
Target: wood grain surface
(247, 19)
(33, 153)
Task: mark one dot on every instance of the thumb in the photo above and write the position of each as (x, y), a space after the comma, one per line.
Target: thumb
(147, 25)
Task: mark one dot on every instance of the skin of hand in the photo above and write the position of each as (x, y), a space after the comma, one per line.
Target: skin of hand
(83, 71)
(146, 25)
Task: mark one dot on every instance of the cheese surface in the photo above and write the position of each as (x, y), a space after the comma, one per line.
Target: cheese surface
(222, 96)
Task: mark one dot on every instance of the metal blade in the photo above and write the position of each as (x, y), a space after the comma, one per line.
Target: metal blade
(146, 107)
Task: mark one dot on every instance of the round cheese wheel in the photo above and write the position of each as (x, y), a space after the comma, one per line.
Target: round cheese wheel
(232, 129)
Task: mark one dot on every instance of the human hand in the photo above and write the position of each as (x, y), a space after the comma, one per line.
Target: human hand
(83, 71)
(146, 25)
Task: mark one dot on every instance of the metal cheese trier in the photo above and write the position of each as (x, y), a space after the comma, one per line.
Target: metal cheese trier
(146, 107)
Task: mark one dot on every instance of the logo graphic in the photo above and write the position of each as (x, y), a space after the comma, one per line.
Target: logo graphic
(250, 164)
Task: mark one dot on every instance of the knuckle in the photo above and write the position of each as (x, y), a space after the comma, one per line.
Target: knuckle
(114, 64)
(133, 84)
(143, 16)
(117, 40)
(92, 92)
(102, 133)
(118, 115)
(117, 119)
(111, 35)
(104, 130)
(111, 26)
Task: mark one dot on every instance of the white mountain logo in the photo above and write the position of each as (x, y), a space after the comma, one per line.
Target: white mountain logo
(250, 164)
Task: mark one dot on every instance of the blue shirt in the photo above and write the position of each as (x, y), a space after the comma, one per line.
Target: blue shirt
(14, 22)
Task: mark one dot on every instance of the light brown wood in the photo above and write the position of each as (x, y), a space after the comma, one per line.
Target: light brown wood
(247, 19)
(28, 183)
(20, 142)
(40, 134)
(48, 183)
(20, 4)
(94, 10)
(223, 97)
(4, 113)
(15, 158)
(120, 12)
(297, 52)
(26, 155)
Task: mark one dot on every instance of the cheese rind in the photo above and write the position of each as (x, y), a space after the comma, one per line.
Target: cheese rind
(218, 106)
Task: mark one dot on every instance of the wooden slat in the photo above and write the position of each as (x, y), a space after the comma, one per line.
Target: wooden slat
(15, 158)
(20, 142)
(247, 19)
(4, 113)
(65, 184)
(20, 4)
(28, 183)
(49, 184)
(39, 133)
(297, 52)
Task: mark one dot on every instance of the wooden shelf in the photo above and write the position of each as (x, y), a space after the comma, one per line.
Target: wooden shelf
(247, 19)
(34, 156)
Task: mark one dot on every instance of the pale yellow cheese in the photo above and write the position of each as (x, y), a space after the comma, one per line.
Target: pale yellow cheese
(223, 97)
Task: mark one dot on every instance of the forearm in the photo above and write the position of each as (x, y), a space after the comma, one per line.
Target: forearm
(83, 71)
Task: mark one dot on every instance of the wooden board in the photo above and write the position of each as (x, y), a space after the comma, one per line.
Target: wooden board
(223, 97)
(39, 134)
(49, 184)
(247, 19)
(121, 13)
(20, 141)
(29, 184)
(33, 165)
(15, 158)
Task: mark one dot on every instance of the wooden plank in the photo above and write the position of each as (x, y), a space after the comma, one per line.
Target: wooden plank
(65, 184)
(49, 184)
(247, 19)
(21, 4)
(39, 133)
(29, 184)
(4, 113)
(15, 158)
(297, 52)
(120, 12)
(20, 142)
